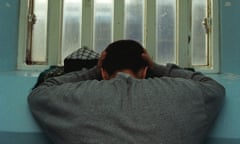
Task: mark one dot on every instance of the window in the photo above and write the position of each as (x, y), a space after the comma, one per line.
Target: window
(183, 32)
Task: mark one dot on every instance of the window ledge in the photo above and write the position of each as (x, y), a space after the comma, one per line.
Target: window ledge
(20, 73)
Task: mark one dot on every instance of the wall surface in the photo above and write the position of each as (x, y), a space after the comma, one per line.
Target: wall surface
(18, 126)
(9, 10)
(230, 36)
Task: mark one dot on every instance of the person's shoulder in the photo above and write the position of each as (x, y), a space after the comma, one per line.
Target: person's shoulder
(176, 82)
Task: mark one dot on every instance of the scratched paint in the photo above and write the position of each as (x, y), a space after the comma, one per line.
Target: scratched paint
(228, 4)
(8, 5)
(231, 76)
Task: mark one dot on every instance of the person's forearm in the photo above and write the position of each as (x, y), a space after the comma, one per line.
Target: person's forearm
(172, 70)
(72, 77)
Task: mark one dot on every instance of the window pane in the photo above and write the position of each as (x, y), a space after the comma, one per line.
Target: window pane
(199, 48)
(134, 17)
(39, 33)
(103, 21)
(71, 33)
(166, 21)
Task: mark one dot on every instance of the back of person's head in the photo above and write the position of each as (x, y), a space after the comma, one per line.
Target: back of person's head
(124, 54)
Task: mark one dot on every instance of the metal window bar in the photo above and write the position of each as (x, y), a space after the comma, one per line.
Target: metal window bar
(30, 23)
(117, 34)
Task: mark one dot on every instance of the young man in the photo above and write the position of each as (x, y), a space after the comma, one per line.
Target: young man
(127, 99)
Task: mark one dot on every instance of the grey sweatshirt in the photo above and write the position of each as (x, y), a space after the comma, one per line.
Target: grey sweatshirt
(176, 106)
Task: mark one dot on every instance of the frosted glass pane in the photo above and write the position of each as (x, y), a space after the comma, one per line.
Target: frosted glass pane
(39, 33)
(134, 17)
(166, 15)
(199, 48)
(71, 33)
(103, 21)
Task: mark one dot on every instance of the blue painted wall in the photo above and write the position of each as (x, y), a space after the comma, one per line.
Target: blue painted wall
(9, 13)
(230, 36)
(18, 126)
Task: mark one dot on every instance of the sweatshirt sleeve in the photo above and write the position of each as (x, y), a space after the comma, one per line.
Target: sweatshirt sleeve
(172, 70)
(72, 77)
(51, 103)
(212, 91)
(59, 87)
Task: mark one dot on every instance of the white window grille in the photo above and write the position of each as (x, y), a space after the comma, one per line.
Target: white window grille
(183, 32)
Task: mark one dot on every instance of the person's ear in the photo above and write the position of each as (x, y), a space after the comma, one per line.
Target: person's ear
(104, 74)
(101, 59)
(143, 73)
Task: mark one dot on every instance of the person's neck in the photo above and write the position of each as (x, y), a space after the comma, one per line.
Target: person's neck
(126, 71)
(141, 74)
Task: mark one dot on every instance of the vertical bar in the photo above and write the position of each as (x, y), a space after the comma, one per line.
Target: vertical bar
(54, 33)
(150, 27)
(22, 35)
(208, 2)
(214, 55)
(87, 23)
(118, 23)
(29, 32)
(183, 31)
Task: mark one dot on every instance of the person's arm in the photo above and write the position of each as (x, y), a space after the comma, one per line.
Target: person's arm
(53, 103)
(75, 76)
(212, 91)
(171, 70)
(60, 86)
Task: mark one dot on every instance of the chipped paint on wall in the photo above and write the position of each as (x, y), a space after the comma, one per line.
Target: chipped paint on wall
(231, 76)
(7, 4)
(228, 4)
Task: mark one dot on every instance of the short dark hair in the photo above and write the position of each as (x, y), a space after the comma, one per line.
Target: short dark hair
(123, 54)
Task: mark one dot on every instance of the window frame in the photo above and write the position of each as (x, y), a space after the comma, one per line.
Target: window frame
(183, 31)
